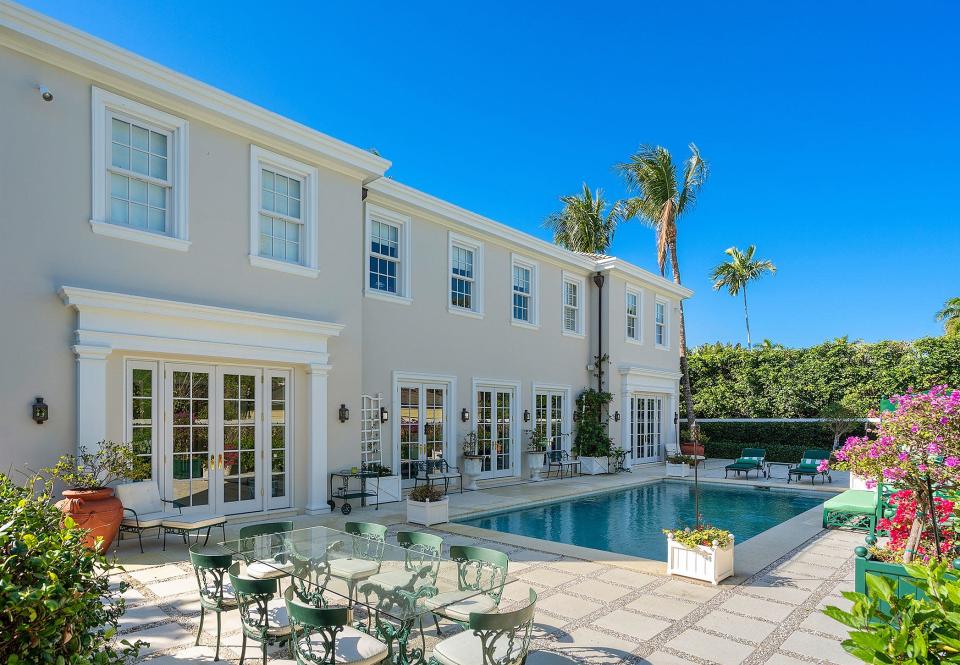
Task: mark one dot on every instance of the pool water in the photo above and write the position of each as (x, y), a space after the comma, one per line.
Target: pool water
(632, 521)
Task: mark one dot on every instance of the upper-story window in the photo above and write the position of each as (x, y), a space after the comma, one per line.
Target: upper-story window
(283, 213)
(633, 316)
(573, 291)
(139, 172)
(524, 292)
(661, 323)
(466, 274)
(387, 254)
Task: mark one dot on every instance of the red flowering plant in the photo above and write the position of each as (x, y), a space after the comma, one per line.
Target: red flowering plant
(916, 448)
(900, 524)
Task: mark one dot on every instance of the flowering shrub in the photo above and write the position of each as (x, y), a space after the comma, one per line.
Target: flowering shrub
(705, 535)
(900, 524)
(916, 448)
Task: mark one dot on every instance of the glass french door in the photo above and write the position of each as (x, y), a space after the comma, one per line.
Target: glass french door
(238, 439)
(495, 431)
(548, 414)
(646, 428)
(423, 426)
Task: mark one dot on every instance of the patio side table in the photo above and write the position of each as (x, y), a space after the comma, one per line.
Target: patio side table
(770, 465)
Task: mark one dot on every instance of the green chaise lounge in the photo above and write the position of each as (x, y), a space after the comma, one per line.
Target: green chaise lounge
(808, 466)
(853, 509)
(751, 459)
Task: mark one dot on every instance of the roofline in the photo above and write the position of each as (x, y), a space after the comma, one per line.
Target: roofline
(47, 39)
(636, 272)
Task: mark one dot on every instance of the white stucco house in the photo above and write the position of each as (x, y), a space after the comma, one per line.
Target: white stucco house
(211, 281)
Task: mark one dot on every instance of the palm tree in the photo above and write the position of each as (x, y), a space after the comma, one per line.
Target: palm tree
(950, 315)
(659, 200)
(734, 275)
(584, 224)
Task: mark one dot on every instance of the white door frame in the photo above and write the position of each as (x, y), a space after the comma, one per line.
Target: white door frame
(566, 424)
(662, 382)
(516, 408)
(659, 421)
(450, 382)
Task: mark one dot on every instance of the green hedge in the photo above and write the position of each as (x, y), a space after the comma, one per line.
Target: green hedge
(775, 452)
(784, 442)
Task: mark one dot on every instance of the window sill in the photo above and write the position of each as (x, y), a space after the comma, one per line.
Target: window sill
(460, 311)
(524, 324)
(136, 235)
(283, 266)
(387, 297)
(661, 347)
(631, 340)
(575, 335)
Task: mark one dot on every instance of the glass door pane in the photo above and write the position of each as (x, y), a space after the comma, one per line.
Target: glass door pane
(434, 422)
(189, 408)
(277, 436)
(409, 430)
(240, 441)
(485, 433)
(504, 440)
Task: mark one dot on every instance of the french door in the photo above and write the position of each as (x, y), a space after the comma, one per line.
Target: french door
(423, 425)
(222, 453)
(495, 435)
(646, 428)
(548, 414)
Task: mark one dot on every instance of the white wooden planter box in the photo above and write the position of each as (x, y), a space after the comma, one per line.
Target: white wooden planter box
(388, 489)
(677, 470)
(594, 466)
(428, 513)
(710, 564)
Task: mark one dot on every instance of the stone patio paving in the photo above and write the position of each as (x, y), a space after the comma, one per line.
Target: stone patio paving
(588, 612)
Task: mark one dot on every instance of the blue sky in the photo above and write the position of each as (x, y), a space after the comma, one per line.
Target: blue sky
(831, 128)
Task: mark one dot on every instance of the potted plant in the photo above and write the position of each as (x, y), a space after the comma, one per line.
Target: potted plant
(87, 499)
(695, 444)
(427, 505)
(678, 466)
(536, 448)
(915, 449)
(472, 459)
(592, 443)
(703, 553)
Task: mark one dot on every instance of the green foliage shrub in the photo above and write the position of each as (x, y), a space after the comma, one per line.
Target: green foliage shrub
(56, 605)
(593, 437)
(792, 438)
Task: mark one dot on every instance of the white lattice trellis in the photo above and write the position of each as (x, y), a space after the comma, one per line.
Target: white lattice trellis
(370, 450)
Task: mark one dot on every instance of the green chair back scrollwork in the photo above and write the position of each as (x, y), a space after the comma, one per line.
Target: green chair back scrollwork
(481, 569)
(368, 539)
(259, 619)
(210, 568)
(422, 553)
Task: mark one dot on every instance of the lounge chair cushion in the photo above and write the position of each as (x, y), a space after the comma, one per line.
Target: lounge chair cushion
(277, 616)
(354, 647)
(148, 520)
(810, 462)
(860, 502)
(353, 569)
(465, 648)
(142, 496)
(395, 579)
(458, 605)
(267, 571)
(750, 460)
(743, 464)
(193, 521)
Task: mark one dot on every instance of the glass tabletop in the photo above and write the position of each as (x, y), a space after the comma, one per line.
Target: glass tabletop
(403, 583)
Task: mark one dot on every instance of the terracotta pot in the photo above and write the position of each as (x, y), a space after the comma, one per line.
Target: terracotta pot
(691, 448)
(95, 509)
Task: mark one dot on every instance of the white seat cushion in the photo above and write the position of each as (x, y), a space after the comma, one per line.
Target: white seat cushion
(277, 615)
(353, 569)
(142, 496)
(465, 648)
(265, 571)
(354, 647)
(458, 605)
(193, 521)
(395, 579)
(147, 520)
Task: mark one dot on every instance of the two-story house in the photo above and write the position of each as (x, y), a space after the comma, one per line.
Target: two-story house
(252, 303)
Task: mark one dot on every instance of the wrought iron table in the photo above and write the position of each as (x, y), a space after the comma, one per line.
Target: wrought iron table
(392, 601)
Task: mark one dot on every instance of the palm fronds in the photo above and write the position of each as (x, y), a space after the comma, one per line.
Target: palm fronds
(585, 224)
(950, 316)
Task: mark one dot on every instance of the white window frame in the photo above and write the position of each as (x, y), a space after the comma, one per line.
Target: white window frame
(261, 158)
(475, 246)
(404, 295)
(107, 105)
(534, 268)
(272, 502)
(580, 283)
(666, 322)
(638, 324)
(153, 366)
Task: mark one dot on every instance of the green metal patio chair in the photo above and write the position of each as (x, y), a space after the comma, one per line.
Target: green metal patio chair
(478, 569)
(368, 542)
(324, 636)
(263, 613)
(216, 594)
(263, 541)
(492, 639)
(421, 561)
(808, 466)
(751, 459)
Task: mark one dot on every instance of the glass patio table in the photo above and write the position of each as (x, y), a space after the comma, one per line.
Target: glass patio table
(394, 587)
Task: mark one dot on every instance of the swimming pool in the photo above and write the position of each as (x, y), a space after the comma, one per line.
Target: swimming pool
(631, 521)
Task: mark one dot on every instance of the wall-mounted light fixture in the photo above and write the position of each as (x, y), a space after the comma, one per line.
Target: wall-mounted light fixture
(45, 93)
(676, 417)
(616, 416)
(344, 413)
(464, 415)
(384, 414)
(526, 415)
(576, 416)
(40, 411)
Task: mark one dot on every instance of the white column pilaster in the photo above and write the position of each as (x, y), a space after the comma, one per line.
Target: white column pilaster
(91, 394)
(625, 420)
(317, 480)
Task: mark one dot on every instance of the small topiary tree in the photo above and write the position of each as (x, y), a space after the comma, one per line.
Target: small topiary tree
(593, 437)
(56, 605)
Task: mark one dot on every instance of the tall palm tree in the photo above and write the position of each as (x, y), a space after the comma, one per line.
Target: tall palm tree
(584, 224)
(950, 315)
(659, 199)
(737, 272)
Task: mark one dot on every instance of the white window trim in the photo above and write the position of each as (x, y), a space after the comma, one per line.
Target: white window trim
(566, 421)
(534, 268)
(309, 210)
(581, 292)
(666, 323)
(105, 104)
(475, 246)
(380, 214)
(285, 501)
(626, 302)
(153, 366)
(399, 377)
(516, 424)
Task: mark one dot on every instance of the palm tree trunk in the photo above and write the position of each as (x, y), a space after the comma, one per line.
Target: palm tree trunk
(684, 369)
(746, 316)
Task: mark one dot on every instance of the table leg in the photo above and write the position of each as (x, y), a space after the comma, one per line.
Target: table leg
(397, 638)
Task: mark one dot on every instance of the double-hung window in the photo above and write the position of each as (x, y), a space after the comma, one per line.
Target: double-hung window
(387, 254)
(573, 291)
(283, 220)
(524, 292)
(466, 276)
(633, 316)
(139, 172)
(661, 323)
